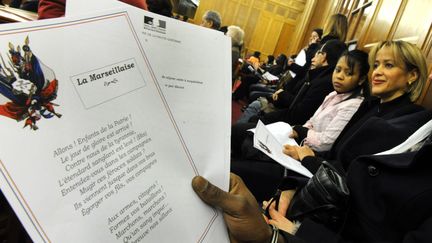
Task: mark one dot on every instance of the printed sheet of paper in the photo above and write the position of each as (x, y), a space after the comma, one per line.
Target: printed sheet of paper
(418, 136)
(90, 151)
(267, 143)
(280, 131)
(193, 66)
(194, 72)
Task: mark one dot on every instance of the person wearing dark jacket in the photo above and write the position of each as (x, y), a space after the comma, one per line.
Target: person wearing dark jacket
(381, 120)
(389, 203)
(399, 75)
(305, 97)
(336, 28)
(390, 192)
(398, 78)
(309, 52)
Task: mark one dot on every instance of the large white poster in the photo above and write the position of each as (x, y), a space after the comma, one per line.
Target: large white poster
(193, 66)
(90, 151)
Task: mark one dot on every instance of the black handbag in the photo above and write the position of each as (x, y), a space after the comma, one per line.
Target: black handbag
(323, 199)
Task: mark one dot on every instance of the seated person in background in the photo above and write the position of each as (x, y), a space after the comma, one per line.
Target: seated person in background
(392, 206)
(269, 63)
(380, 123)
(335, 28)
(267, 87)
(279, 67)
(310, 93)
(249, 75)
(398, 77)
(351, 85)
(245, 158)
(211, 19)
(305, 56)
(237, 35)
(254, 59)
(300, 99)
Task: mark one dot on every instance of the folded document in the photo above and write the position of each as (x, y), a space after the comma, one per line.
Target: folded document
(270, 140)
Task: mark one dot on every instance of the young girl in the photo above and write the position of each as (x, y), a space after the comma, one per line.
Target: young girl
(351, 85)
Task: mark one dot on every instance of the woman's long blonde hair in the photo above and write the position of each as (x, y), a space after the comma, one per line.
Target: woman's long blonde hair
(336, 26)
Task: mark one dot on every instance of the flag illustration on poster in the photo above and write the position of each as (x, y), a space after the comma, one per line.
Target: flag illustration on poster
(30, 86)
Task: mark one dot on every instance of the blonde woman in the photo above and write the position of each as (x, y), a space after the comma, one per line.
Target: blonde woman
(390, 194)
(336, 27)
(237, 35)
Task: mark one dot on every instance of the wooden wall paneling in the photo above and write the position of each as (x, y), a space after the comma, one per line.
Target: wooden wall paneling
(242, 16)
(347, 7)
(414, 22)
(364, 15)
(269, 7)
(251, 25)
(268, 24)
(397, 19)
(229, 13)
(202, 7)
(300, 38)
(353, 24)
(218, 6)
(257, 38)
(340, 4)
(364, 41)
(272, 37)
(266, 34)
(320, 10)
(285, 40)
(381, 22)
(349, 14)
(259, 4)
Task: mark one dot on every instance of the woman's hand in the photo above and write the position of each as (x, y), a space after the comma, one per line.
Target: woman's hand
(278, 219)
(241, 211)
(284, 201)
(304, 151)
(291, 150)
(297, 152)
